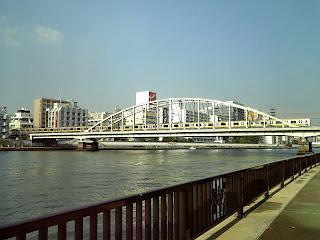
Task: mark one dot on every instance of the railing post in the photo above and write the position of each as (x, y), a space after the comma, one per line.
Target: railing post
(21, 237)
(164, 217)
(147, 219)
(170, 216)
(62, 231)
(78, 228)
(267, 182)
(282, 184)
(43, 234)
(139, 220)
(176, 216)
(300, 172)
(106, 225)
(93, 226)
(189, 212)
(208, 185)
(129, 221)
(241, 194)
(306, 169)
(195, 225)
(200, 207)
(118, 223)
(156, 218)
(293, 163)
(182, 215)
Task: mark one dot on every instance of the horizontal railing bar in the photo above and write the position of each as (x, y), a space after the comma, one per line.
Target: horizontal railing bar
(27, 226)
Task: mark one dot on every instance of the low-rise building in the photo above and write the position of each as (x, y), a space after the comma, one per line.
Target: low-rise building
(23, 119)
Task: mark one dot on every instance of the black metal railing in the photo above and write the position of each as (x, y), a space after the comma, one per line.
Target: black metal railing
(179, 212)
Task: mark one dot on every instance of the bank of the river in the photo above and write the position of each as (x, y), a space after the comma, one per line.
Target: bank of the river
(178, 145)
(152, 146)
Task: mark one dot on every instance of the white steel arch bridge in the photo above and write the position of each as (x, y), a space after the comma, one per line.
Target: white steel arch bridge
(187, 117)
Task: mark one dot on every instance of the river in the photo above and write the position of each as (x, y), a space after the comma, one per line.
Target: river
(37, 183)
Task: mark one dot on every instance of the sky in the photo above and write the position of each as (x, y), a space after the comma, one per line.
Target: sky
(264, 54)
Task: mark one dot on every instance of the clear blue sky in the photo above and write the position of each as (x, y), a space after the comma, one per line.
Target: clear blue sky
(260, 53)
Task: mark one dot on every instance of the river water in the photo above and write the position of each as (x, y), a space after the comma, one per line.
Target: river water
(37, 183)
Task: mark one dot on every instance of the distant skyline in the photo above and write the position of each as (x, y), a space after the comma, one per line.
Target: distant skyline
(264, 54)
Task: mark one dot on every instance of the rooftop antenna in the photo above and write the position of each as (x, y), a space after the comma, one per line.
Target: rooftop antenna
(60, 96)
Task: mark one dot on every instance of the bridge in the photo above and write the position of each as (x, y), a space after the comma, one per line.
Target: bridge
(186, 117)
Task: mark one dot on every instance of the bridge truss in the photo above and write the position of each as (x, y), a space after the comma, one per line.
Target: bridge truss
(188, 117)
(164, 114)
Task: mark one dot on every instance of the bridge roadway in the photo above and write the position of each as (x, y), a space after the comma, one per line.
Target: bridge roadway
(302, 132)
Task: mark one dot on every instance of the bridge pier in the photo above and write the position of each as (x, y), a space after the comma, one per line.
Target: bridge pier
(83, 146)
(305, 147)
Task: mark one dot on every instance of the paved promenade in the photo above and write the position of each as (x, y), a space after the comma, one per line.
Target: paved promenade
(291, 213)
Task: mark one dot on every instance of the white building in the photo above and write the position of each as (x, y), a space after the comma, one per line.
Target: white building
(96, 117)
(141, 115)
(22, 119)
(66, 115)
(144, 97)
(4, 123)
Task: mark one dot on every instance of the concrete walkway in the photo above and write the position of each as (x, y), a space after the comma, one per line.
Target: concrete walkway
(291, 213)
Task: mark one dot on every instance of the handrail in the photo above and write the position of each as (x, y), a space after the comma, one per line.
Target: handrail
(182, 211)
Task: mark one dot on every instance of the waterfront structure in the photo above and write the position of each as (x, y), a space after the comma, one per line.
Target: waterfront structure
(40, 106)
(4, 123)
(66, 115)
(23, 119)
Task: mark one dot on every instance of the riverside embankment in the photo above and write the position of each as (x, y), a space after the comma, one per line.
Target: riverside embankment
(150, 146)
(180, 145)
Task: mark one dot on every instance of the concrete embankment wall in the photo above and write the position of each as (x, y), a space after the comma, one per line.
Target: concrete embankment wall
(174, 145)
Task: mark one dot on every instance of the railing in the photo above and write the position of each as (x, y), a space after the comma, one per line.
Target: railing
(179, 212)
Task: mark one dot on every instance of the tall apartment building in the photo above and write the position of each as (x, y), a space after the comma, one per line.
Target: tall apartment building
(4, 123)
(66, 115)
(40, 106)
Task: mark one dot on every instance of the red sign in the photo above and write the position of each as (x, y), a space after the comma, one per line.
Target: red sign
(56, 118)
(152, 96)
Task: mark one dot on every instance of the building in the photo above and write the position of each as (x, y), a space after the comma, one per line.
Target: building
(96, 117)
(144, 97)
(40, 106)
(141, 115)
(4, 123)
(236, 114)
(66, 115)
(22, 119)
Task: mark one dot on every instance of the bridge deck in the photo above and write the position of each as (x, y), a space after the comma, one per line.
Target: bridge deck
(291, 213)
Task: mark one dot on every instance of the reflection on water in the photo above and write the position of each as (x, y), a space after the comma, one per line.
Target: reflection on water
(37, 183)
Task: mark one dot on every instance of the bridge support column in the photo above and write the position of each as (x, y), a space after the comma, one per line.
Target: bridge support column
(83, 146)
(305, 147)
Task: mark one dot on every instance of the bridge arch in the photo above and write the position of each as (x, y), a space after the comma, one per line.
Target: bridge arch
(184, 111)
